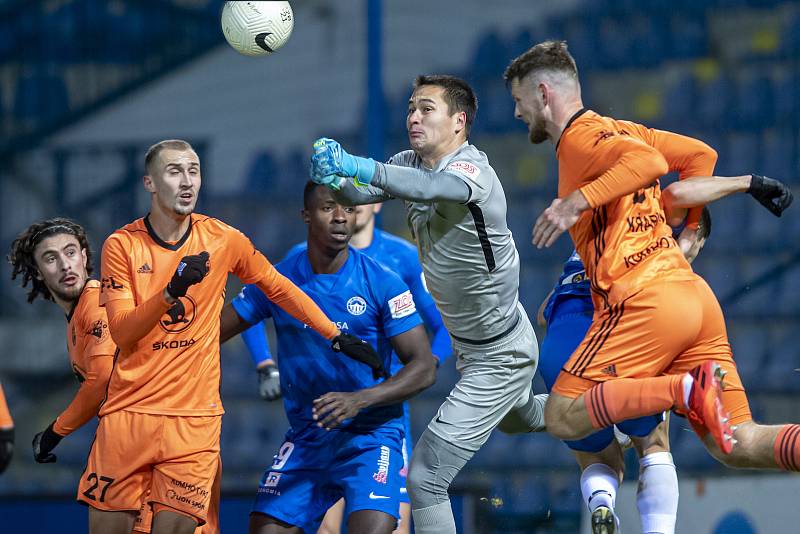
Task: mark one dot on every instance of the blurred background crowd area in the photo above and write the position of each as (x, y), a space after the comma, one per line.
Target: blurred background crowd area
(87, 85)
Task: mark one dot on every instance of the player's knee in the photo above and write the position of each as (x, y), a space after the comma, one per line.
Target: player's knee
(556, 418)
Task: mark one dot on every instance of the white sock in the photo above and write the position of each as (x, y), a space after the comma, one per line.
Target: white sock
(599, 484)
(436, 519)
(657, 496)
(687, 388)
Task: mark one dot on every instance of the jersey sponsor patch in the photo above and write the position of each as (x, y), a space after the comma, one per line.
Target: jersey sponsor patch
(402, 305)
(464, 168)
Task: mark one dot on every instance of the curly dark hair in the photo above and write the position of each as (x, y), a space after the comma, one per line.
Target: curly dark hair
(21, 254)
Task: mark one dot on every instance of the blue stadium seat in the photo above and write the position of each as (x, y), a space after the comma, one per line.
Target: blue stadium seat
(687, 449)
(490, 53)
(680, 100)
(263, 173)
(787, 302)
(766, 232)
(715, 101)
(761, 297)
(650, 38)
(40, 97)
(785, 98)
(521, 42)
(743, 152)
(688, 35)
(582, 37)
(779, 374)
(615, 43)
(777, 154)
(753, 106)
(750, 343)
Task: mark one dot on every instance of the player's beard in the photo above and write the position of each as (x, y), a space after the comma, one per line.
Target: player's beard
(70, 294)
(537, 132)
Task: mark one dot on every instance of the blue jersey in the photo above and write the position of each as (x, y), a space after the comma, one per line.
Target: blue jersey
(400, 257)
(573, 289)
(363, 299)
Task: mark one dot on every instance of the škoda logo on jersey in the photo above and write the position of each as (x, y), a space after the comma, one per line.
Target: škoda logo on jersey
(180, 315)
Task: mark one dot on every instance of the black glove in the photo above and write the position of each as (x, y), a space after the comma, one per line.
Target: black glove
(191, 270)
(361, 351)
(772, 194)
(269, 382)
(43, 443)
(6, 447)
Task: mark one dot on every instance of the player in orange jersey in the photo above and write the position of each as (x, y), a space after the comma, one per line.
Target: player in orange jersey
(163, 282)
(6, 433)
(658, 338)
(54, 256)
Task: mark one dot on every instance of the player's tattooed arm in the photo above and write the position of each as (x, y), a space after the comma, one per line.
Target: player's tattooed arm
(418, 373)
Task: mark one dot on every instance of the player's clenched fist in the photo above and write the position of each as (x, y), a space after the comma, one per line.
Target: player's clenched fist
(772, 194)
(329, 159)
(191, 270)
(361, 351)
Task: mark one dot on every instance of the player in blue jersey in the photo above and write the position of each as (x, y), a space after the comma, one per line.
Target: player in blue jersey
(346, 426)
(400, 257)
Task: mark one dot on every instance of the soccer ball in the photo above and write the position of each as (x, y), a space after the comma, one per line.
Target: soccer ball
(257, 28)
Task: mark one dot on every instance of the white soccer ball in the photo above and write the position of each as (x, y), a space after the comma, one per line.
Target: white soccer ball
(257, 28)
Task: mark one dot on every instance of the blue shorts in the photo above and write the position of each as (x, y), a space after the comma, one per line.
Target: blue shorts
(564, 334)
(309, 475)
(407, 446)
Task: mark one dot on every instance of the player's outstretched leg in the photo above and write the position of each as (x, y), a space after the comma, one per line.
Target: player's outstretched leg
(616, 400)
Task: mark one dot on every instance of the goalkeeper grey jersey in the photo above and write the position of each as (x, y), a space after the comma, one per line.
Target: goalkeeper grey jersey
(467, 252)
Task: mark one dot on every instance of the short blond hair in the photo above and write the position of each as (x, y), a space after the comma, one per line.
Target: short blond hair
(167, 144)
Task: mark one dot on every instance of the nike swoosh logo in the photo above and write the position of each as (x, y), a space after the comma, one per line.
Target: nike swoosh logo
(373, 496)
(260, 41)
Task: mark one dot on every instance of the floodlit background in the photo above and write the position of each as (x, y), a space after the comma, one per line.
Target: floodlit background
(87, 85)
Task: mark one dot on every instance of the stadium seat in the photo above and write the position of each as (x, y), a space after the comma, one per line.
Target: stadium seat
(263, 173)
(40, 97)
(750, 343)
(743, 152)
(785, 98)
(753, 106)
(777, 154)
(715, 101)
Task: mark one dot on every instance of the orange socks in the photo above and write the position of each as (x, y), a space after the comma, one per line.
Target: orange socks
(787, 448)
(629, 398)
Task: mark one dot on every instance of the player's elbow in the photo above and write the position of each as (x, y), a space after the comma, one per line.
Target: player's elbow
(427, 374)
(658, 165)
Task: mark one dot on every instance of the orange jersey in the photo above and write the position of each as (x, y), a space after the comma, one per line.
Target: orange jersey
(169, 355)
(5, 415)
(624, 240)
(91, 352)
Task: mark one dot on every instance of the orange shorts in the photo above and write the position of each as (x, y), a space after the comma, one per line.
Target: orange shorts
(137, 457)
(144, 521)
(666, 328)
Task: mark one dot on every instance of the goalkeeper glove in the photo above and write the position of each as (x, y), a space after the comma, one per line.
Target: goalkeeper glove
(191, 270)
(330, 158)
(361, 351)
(772, 194)
(269, 382)
(6, 447)
(44, 443)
